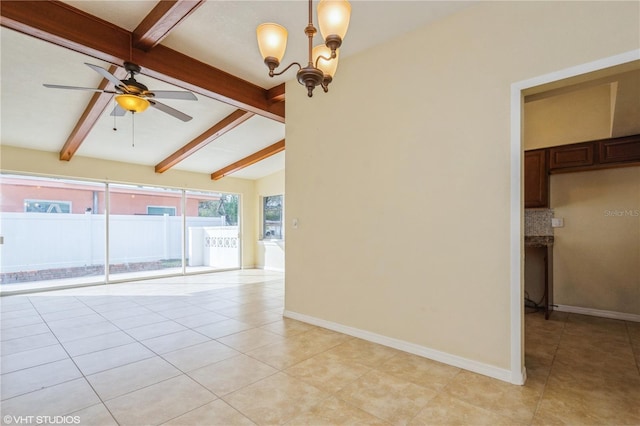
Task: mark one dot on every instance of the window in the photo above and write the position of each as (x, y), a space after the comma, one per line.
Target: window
(161, 211)
(213, 231)
(272, 217)
(42, 206)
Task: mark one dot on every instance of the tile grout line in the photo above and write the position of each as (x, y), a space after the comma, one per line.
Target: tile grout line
(259, 326)
(553, 360)
(103, 402)
(283, 371)
(636, 355)
(186, 373)
(473, 404)
(75, 364)
(182, 372)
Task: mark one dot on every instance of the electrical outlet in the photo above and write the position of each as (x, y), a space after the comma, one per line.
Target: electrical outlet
(557, 222)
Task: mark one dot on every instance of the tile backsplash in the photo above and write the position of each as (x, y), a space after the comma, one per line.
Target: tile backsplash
(538, 222)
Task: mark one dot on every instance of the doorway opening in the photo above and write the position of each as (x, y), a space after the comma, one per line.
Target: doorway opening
(555, 81)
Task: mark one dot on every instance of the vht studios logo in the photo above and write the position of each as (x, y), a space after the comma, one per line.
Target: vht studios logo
(622, 213)
(39, 420)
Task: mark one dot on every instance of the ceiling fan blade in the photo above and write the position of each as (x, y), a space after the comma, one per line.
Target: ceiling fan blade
(174, 94)
(106, 74)
(118, 111)
(91, 89)
(171, 111)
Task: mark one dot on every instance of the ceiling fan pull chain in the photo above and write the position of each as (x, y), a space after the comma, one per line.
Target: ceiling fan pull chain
(115, 128)
(133, 129)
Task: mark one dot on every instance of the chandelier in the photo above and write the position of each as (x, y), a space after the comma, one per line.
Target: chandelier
(333, 19)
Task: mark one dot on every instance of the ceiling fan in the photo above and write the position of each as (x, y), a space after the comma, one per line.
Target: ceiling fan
(134, 96)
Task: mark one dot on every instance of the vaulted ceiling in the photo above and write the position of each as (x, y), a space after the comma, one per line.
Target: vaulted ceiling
(207, 47)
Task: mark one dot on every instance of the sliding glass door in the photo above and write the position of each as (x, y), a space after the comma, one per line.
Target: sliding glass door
(145, 231)
(213, 232)
(52, 232)
(61, 232)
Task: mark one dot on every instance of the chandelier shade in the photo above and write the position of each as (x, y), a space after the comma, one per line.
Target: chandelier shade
(132, 103)
(333, 17)
(272, 40)
(321, 53)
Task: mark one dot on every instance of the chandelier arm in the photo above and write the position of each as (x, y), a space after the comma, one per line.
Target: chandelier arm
(287, 69)
(322, 57)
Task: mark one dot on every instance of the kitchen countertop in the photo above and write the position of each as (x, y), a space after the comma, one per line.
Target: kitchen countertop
(538, 240)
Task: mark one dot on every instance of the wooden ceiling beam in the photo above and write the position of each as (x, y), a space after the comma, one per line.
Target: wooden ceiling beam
(228, 123)
(181, 70)
(276, 93)
(161, 20)
(247, 161)
(61, 24)
(95, 108)
(66, 26)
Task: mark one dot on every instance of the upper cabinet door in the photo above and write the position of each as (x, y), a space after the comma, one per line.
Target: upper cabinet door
(571, 156)
(536, 179)
(620, 150)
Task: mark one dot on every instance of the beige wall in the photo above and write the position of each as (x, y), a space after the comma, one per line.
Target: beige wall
(17, 160)
(269, 254)
(399, 176)
(597, 252)
(271, 185)
(579, 116)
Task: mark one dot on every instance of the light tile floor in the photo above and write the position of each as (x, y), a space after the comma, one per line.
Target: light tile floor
(215, 350)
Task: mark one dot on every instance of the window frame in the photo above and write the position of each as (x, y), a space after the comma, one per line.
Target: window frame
(51, 203)
(263, 221)
(175, 210)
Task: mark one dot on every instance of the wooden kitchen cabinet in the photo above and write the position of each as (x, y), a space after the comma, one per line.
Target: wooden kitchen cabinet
(575, 157)
(595, 155)
(536, 179)
(571, 156)
(620, 150)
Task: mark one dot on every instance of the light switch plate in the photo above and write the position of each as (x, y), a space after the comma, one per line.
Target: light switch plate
(557, 222)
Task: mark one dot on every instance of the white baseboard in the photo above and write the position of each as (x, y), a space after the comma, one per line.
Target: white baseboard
(269, 268)
(598, 313)
(446, 358)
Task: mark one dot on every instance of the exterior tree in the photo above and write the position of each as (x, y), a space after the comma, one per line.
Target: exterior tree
(226, 206)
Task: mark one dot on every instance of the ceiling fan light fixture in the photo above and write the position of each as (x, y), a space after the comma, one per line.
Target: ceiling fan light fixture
(132, 103)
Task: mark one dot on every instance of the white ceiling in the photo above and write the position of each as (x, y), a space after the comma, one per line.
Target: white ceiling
(218, 33)
(222, 33)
